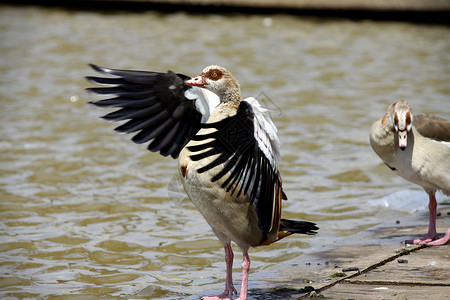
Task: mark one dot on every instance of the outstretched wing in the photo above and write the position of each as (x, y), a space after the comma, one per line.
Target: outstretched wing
(248, 147)
(158, 106)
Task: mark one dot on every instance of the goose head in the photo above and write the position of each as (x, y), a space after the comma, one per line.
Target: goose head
(218, 80)
(399, 117)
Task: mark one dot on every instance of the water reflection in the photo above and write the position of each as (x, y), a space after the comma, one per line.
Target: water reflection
(85, 212)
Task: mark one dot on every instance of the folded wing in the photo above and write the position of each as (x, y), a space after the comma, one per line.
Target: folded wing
(432, 127)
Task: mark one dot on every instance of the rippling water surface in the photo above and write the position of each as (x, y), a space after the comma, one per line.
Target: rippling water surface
(86, 214)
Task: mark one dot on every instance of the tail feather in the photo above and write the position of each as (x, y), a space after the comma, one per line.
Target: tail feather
(303, 227)
(288, 227)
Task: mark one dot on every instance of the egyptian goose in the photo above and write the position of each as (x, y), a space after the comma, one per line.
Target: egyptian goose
(418, 152)
(227, 148)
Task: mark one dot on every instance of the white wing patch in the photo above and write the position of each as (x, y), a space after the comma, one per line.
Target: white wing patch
(446, 144)
(205, 101)
(265, 133)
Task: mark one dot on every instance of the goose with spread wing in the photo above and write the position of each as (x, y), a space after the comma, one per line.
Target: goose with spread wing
(227, 148)
(418, 151)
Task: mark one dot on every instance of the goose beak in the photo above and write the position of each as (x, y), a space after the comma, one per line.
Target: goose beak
(402, 139)
(196, 81)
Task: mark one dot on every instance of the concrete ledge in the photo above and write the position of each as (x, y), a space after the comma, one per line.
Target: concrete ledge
(385, 5)
(421, 11)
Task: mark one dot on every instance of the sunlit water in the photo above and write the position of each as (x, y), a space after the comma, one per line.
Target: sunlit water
(85, 213)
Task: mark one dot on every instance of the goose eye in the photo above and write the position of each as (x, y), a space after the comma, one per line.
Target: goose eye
(214, 74)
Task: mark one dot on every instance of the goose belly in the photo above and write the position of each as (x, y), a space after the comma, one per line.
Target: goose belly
(425, 167)
(231, 218)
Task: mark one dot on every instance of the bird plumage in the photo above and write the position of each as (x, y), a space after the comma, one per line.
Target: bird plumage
(418, 154)
(228, 150)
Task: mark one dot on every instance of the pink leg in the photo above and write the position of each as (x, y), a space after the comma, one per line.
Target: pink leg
(229, 288)
(229, 256)
(245, 271)
(432, 233)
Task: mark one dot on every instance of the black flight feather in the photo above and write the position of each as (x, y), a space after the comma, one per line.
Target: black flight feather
(246, 169)
(154, 105)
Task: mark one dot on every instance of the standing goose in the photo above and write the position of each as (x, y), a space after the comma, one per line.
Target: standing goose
(227, 148)
(418, 152)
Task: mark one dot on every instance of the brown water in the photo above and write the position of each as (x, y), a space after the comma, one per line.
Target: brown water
(87, 214)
